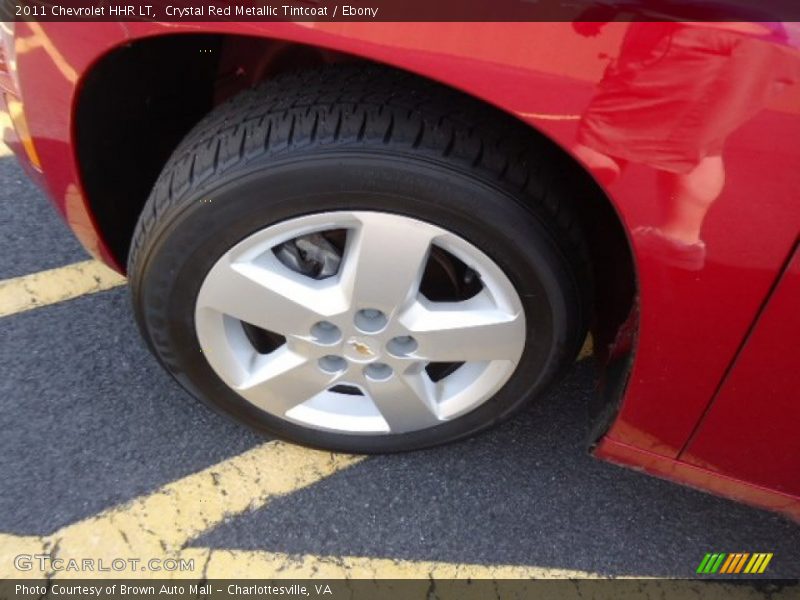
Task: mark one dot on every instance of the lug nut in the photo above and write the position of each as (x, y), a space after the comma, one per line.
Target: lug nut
(332, 364)
(370, 320)
(402, 345)
(378, 371)
(325, 332)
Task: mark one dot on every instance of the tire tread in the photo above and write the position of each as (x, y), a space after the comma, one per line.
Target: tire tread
(357, 105)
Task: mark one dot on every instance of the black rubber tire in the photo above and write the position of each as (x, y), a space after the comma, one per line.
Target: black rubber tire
(356, 137)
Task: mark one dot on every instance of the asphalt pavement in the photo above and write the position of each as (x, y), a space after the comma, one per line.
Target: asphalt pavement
(90, 421)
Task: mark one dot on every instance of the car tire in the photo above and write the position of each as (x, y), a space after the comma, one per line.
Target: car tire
(281, 183)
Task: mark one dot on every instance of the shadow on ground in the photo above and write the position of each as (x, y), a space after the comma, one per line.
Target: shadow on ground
(526, 493)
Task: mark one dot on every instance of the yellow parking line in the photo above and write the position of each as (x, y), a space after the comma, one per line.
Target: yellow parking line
(160, 524)
(14, 545)
(56, 285)
(167, 519)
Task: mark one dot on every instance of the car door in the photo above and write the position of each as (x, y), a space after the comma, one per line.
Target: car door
(752, 430)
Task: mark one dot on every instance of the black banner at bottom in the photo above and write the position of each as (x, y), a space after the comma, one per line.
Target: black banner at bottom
(391, 589)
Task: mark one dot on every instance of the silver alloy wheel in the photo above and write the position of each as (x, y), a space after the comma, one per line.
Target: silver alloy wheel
(356, 345)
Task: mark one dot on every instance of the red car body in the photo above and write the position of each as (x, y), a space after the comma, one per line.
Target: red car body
(707, 391)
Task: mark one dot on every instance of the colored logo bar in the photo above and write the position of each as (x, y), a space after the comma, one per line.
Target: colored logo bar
(720, 563)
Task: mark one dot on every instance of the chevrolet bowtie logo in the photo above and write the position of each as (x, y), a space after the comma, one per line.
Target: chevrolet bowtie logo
(361, 348)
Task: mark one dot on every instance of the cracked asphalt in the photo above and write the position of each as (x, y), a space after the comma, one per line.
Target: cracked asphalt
(90, 422)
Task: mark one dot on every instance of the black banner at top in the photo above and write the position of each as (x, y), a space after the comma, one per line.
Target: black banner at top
(400, 10)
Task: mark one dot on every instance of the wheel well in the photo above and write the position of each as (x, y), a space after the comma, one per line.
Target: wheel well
(139, 101)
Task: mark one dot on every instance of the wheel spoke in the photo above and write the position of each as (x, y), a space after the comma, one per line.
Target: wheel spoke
(384, 262)
(406, 401)
(464, 332)
(283, 380)
(269, 296)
